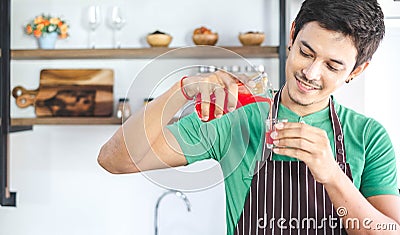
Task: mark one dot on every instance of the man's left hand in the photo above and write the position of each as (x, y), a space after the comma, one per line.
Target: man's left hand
(308, 144)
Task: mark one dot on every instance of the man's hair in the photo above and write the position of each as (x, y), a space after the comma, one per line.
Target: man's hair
(362, 20)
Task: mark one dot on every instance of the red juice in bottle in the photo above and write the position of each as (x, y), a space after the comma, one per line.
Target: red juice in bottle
(245, 97)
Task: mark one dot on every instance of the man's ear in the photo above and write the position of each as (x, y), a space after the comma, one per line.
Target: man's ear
(357, 71)
(290, 44)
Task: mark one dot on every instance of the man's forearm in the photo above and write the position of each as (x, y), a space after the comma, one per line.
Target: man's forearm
(133, 140)
(357, 213)
(143, 128)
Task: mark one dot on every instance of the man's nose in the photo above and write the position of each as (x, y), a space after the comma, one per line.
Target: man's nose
(313, 71)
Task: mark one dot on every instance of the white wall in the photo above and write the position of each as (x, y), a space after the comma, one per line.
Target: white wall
(60, 187)
(174, 17)
(382, 84)
(61, 190)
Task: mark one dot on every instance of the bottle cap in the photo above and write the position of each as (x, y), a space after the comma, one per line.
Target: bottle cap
(148, 99)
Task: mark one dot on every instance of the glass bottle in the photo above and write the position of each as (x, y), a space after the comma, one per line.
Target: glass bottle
(254, 87)
(123, 108)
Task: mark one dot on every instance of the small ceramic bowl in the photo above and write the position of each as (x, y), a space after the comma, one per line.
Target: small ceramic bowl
(159, 40)
(251, 38)
(205, 39)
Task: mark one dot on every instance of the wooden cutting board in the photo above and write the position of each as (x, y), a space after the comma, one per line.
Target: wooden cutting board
(70, 92)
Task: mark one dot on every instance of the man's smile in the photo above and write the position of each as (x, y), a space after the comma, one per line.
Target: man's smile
(306, 86)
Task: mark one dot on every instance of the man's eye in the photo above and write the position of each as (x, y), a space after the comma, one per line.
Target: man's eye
(305, 54)
(330, 67)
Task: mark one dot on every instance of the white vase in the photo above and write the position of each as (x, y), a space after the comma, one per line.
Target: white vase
(48, 40)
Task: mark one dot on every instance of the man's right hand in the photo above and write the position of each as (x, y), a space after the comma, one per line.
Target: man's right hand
(222, 84)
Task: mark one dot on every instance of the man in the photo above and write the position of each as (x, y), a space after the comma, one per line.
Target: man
(328, 161)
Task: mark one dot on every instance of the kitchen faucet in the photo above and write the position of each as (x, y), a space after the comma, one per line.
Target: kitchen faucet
(178, 194)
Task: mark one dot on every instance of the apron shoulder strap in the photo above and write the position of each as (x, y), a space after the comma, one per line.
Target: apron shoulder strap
(338, 135)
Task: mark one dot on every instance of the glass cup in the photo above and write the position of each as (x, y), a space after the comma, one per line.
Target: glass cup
(94, 21)
(269, 128)
(252, 88)
(117, 22)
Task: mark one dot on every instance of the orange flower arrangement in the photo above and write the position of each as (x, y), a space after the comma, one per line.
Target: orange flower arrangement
(46, 24)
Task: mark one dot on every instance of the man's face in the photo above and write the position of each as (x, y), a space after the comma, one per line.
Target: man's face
(319, 62)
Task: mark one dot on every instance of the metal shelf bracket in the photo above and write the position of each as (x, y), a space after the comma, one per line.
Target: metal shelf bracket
(7, 198)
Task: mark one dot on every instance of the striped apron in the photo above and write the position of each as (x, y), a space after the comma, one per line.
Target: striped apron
(284, 198)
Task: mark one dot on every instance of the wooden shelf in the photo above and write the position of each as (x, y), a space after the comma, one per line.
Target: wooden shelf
(66, 121)
(145, 53)
(133, 53)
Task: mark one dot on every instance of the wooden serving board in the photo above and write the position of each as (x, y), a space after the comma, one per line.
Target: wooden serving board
(70, 92)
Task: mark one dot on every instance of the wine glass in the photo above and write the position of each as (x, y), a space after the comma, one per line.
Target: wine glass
(94, 20)
(117, 21)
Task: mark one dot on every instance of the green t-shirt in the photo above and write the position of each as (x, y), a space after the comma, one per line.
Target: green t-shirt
(236, 142)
